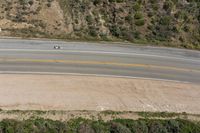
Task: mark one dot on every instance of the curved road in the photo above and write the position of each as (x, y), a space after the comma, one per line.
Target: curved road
(119, 60)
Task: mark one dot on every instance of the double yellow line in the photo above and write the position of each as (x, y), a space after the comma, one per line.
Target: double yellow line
(97, 63)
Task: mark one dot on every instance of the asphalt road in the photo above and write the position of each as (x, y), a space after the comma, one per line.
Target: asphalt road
(119, 60)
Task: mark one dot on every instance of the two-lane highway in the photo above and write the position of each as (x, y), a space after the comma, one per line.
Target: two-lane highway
(39, 57)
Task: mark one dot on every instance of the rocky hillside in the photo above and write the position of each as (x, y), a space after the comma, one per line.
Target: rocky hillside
(161, 22)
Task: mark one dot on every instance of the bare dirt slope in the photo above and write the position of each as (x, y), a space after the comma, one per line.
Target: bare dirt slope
(46, 92)
(164, 22)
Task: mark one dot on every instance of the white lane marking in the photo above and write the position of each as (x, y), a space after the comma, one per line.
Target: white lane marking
(101, 52)
(95, 75)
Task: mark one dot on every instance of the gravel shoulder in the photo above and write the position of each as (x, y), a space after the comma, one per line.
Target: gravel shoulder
(67, 92)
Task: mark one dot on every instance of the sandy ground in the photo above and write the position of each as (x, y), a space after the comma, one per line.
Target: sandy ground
(62, 92)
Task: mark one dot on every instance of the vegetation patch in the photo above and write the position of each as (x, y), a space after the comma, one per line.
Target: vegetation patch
(81, 125)
(159, 22)
(160, 114)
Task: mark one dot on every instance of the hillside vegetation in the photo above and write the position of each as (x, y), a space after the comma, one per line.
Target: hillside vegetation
(161, 22)
(80, 125)
(36, 121)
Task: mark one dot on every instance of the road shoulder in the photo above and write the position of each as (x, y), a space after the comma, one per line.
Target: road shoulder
(67, 92)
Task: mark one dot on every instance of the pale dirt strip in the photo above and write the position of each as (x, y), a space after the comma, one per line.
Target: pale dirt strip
(67, 92)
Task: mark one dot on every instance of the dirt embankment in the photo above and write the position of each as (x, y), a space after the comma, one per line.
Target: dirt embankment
(65, 92)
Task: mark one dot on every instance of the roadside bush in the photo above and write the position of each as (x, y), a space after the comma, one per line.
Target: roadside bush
(138, 15)
(168, 4)
(140, 22)
(136, 6)
(115, 31)
(198, 17)
(119, 1)
(23, 2)
(118, 128)
(97, 2)
(80, 125)
(93, 31)
(85, 128)
(30, 2)
(129, 18)
(48, 4)
(165, 20)
(111, 1)
(139, 126)
(157, 127)
(89, 19)
(100, 127)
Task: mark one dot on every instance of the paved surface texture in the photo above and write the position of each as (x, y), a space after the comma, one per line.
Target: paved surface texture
(34, 56)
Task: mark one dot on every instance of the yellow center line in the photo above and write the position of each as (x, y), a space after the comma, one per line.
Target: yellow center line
(98, 63)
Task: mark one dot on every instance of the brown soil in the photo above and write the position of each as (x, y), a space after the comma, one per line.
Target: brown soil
(65, 92)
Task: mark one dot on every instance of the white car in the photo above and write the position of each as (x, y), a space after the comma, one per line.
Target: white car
(57, 47)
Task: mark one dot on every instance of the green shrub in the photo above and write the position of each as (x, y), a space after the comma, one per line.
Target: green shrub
(111, 1)
(119, 1)
(165, 20)
(136, 6)
(155, 6)
(139, 126)
(81, 125)
(31, 2)
(93, 31)
(85, 128)
(140, 22)
(115, 31)
(129, 18)
(23, 2)
(97, 2)
(138, 15)
(89, 19)
(168, 4)
(118, 128)
(48, 4)
(100, 127)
